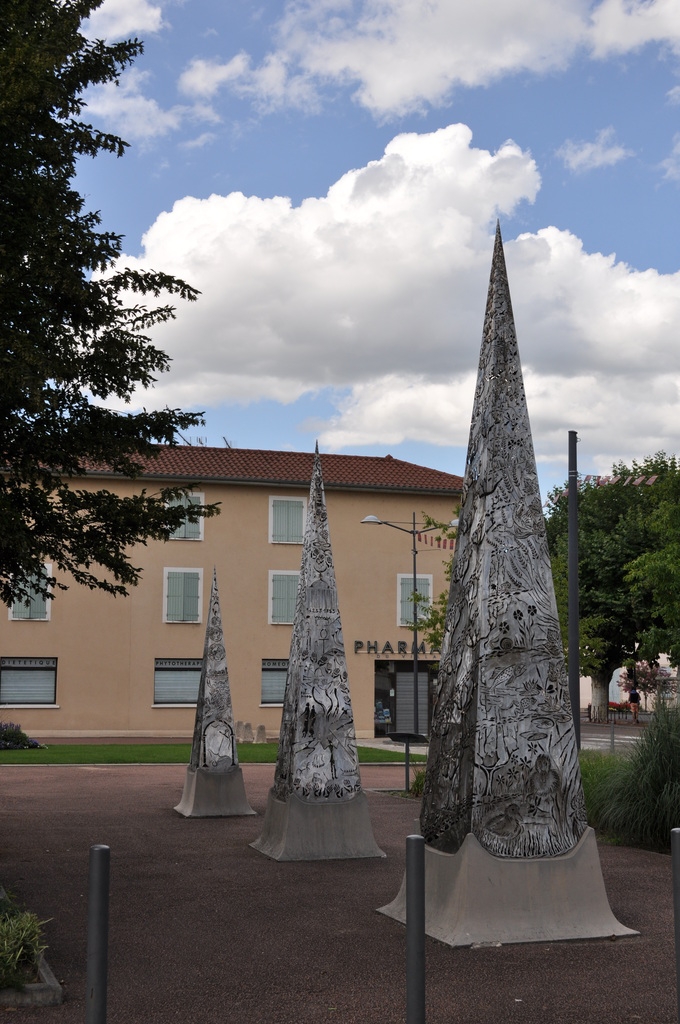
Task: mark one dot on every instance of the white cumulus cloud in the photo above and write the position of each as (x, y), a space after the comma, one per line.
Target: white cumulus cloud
(117, 19)
(135, 116)
(621, 26)
(376, 292)
(204, 139)
(270, 85)
(671, 165)
(399, 56)
(605, 151)
(307, 287)
(203, 78)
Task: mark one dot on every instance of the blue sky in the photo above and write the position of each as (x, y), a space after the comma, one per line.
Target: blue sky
(328, 173)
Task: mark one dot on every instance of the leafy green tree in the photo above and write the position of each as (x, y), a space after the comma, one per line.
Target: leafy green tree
(654, 576)
(74, 334)
(615, 529)
(431, 625)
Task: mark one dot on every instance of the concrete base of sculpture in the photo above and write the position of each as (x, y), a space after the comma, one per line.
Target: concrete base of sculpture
(211, 793)
(474, 897)
(297, 830)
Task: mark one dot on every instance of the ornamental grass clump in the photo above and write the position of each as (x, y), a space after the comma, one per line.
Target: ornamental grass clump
(596, 767)
(21, 945)
(12, 737)
(417, 781)
(637, 800)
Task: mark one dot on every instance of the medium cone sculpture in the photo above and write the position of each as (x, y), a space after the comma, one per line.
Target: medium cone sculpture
(316, 808)
(213, 787)
(509, 856)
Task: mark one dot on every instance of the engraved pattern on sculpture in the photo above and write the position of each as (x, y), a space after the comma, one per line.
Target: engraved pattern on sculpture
(503, 760)
(317, 756)
(213, 743)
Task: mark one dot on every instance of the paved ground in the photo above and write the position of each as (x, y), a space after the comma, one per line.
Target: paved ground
(600, 737)
(593, 737)
(206, 930)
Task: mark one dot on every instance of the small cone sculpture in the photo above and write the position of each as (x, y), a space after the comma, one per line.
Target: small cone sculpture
(316, 808)
(213, 787)
(509, 856)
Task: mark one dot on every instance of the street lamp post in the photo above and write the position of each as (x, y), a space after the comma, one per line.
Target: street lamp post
(573, 594)
(413, 531)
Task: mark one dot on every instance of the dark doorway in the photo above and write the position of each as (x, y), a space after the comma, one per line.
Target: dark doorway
(393, 709)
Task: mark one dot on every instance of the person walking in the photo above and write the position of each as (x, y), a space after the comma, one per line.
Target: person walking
(634, 701)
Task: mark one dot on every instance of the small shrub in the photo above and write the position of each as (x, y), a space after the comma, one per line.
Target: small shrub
(417, 781)
(21, 945)
(636, 797)
(13, 738)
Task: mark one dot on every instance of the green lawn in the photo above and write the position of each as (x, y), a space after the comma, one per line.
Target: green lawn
(163, 753)
(592, 763)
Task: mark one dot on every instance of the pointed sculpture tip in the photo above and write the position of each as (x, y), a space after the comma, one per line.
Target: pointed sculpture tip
(498, 258)
(316, 449)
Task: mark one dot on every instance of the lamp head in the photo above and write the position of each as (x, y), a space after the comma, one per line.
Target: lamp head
(372, 519)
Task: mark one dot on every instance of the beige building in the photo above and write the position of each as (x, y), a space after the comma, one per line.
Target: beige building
(89, 664)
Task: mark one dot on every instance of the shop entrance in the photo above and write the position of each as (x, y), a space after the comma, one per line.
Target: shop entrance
(394, 696)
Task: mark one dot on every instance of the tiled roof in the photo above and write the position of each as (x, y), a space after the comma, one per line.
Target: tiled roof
(259, 466)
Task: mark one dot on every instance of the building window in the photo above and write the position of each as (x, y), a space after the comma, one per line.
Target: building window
(283, 586)
(274, 671)
(405, 597)
(183, 589)
(286, 520)
(36, 608)
(188, 531)
(28, 680)
(175, 680)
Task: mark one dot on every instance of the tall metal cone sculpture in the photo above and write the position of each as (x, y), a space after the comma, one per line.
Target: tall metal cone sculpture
(213, 787)
(503, 760)
(509, 855)
(316, 808)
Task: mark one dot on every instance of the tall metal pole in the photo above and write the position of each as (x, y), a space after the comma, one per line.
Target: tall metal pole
(415, 630)
(97, 934)
(415, 930)
(675, 864)
(572, 564)
(414, 531)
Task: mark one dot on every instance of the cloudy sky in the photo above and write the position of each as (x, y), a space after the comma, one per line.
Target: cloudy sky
(329, 173)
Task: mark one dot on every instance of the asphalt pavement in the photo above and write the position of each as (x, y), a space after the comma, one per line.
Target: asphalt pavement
(203, 929)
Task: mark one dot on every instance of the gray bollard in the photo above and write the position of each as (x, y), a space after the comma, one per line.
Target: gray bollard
(97, 934)
(675, 862)
(415, 930)
(611, 738)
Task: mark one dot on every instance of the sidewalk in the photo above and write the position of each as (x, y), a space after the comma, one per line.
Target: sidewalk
(594, 736)
(204, 930)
